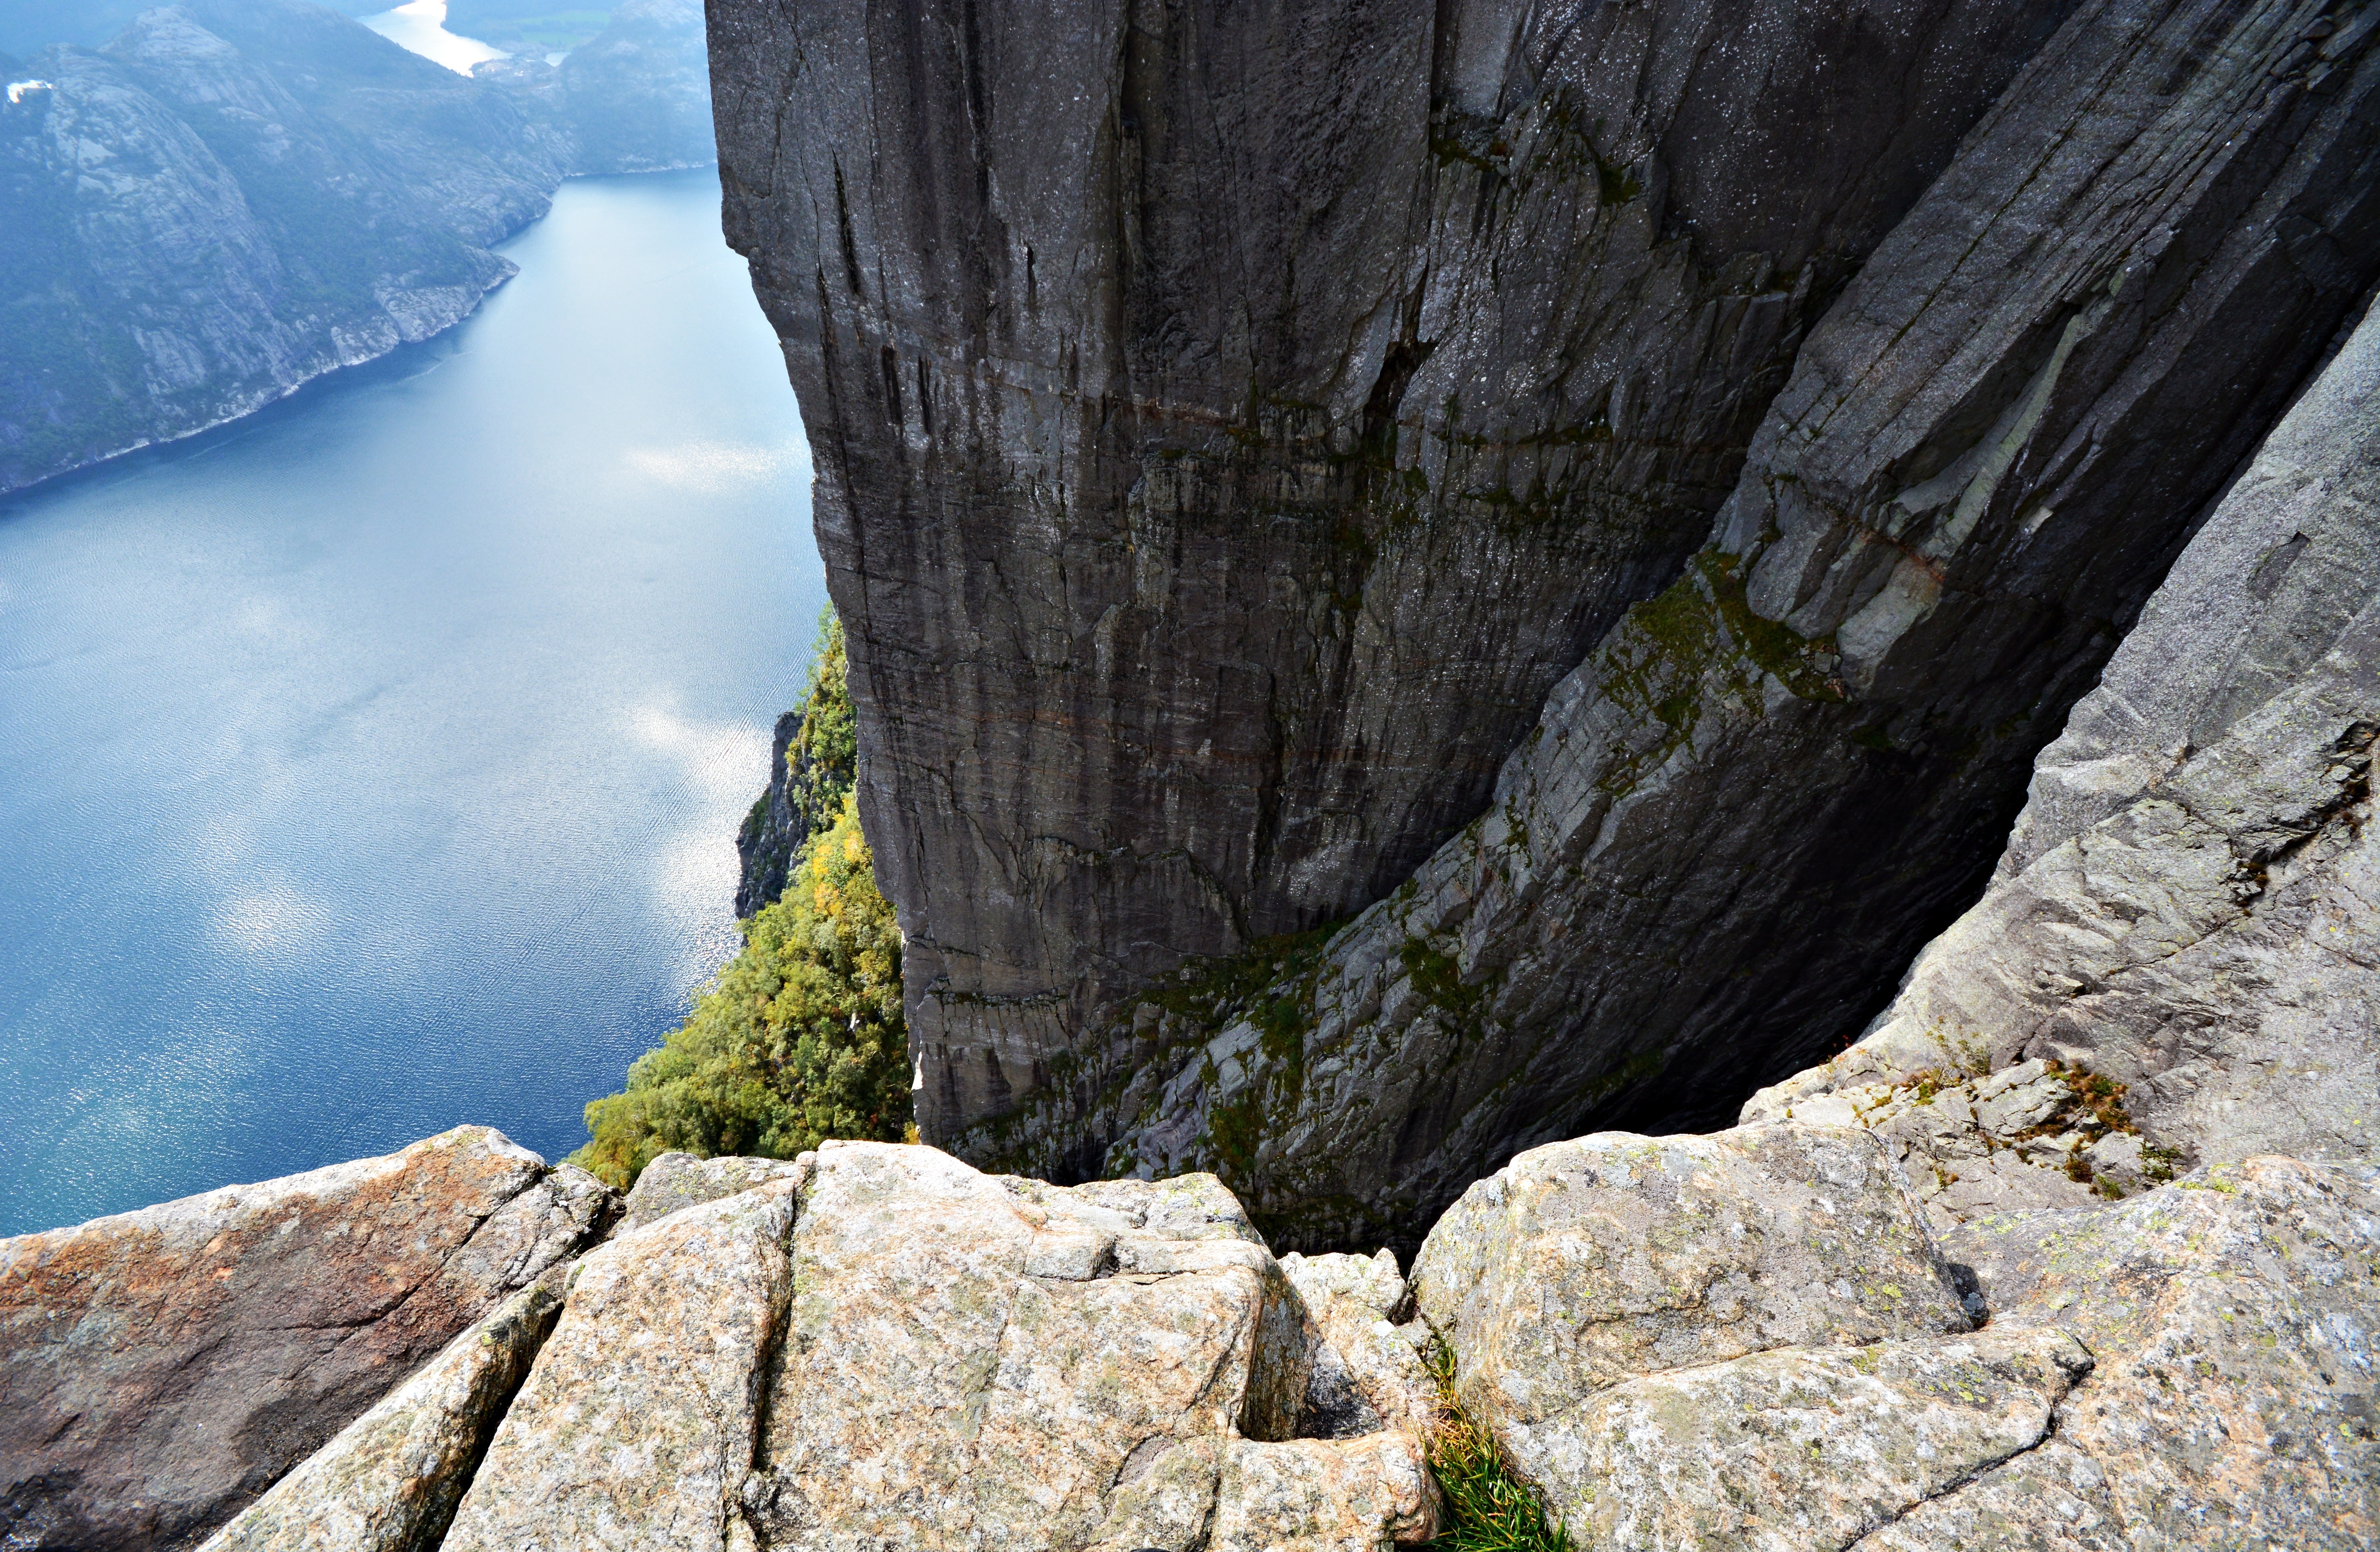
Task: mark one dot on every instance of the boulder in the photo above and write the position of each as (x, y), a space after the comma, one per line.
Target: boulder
(676, 1181)
(973, 1360)
(1583, 1265)
(390, 1482)
(1802, 1448)
(160, 1369)
(637, 1427)
(1355, 1302)
(1355, 1494)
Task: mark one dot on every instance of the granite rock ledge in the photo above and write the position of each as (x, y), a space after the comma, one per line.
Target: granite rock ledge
(1750, 1339)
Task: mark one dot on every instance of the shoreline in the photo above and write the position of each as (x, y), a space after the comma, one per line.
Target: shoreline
(9, 492)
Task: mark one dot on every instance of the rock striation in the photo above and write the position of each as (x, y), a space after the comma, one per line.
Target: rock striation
(1227, 433)
(2186, 905)
(1534, 503)
(160, 1369)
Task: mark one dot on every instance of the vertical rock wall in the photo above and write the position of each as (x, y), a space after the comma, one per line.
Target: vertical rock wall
(1232, 423)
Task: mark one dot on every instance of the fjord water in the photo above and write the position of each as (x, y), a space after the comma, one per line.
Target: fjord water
(373, 765)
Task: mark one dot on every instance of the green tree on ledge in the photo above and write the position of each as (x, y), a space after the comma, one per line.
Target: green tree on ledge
(799, 1038)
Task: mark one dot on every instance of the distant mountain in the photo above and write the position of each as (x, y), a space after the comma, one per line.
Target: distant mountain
(27, 26)
(235, 196)
(634, 98)
(538, 26)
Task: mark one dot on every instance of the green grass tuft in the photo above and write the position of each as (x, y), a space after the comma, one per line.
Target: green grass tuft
(1488, 1508)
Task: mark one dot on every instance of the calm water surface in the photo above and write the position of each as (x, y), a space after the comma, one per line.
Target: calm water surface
(420, 25)
(373, 765)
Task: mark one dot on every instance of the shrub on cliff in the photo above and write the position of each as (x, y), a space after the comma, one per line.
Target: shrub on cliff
(799, 1038)
(806, 790)
(823, 758)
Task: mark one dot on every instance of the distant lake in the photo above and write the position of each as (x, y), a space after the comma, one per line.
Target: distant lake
(421, 25)
(373, 765)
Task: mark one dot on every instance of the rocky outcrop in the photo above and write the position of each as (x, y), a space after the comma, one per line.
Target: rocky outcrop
(875, 1343)
(390, 1482)
(1203, 571)
(1750, 1339)
(161, 1368)
(1807, 1447)
(2233, 1401)
(2186, 1369)
(637, 1427)
(977, 1361)
(2186, 908)
(1230, 429)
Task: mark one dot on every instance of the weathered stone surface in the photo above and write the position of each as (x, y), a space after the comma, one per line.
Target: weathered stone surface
(161, 1368)
(2050, 1500)
(677, 1180)
(2233, 1401)
(637, 1427)
(390, 1482)
(2190, 1367)
(977, 1361)
(1802, 1447)
(2190, 902)
(2028, 1136)
(1736, 822)
(1355, 1302)
(1231, 425)
(1324, 1495)
(1587, 1264)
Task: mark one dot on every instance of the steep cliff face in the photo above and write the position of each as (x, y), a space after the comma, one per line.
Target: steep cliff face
(1232, 425)
(1230, 432)
(2190, 906)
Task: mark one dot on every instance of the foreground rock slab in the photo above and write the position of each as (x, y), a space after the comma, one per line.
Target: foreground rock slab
(1746, 1340)
(390, 1482)
(1804, 1447)
(637, 1427)
(977, 1361)
(2232, 1317)
(1585, 1263)
(159, 1369)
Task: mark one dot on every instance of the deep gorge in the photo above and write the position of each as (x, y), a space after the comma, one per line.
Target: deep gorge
(1609, 500)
